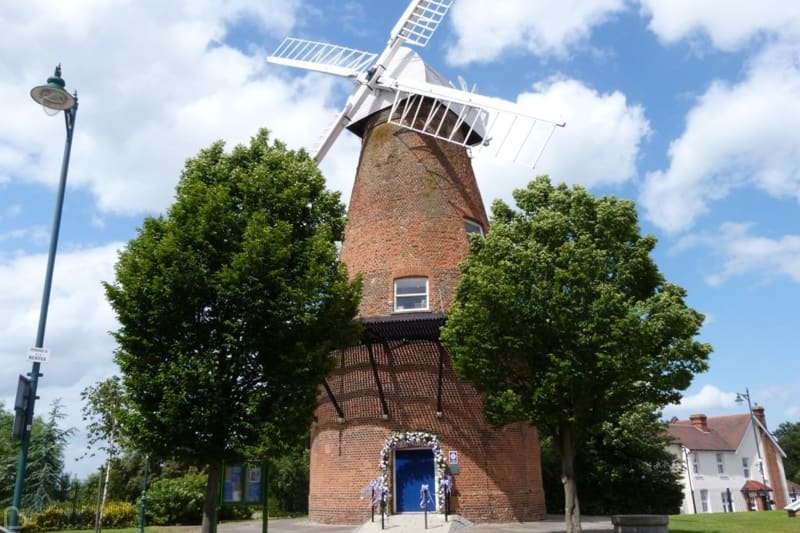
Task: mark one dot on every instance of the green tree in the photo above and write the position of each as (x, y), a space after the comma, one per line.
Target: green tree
(44, 473)
(562, 319)
(788, 435)
(104, 404)
(625, 468)
(9, 451)
(230, 304)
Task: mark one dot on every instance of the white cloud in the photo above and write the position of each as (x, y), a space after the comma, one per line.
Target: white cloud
(486, 30)
(607, 128)
(737, 135)
(81, 351)
(169, 86)
(708, 400)
(728, 25)
(743, 253)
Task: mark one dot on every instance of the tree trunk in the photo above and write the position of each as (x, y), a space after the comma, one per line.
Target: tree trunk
(210, 502)
(105, 490)
(566, 448)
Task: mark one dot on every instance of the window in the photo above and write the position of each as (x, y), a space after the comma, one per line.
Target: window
(727, 503)
(411, 294)
(720, 463)
(695, 463)
(704, 500)
(746, 467)
(473, 227)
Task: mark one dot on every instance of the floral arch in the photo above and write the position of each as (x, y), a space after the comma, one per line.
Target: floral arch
(409, 439)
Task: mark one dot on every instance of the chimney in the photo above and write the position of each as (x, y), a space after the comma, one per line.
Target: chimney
(758, 412)
(699, 421)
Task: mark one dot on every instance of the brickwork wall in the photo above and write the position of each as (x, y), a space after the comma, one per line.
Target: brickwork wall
(406, 218)
(774, 473)
(406, 215)
(499, 475)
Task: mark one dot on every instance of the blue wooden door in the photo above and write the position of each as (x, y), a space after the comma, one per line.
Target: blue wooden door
(413, 468)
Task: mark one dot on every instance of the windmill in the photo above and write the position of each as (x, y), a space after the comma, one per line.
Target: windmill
(394, 400)
(392, 78)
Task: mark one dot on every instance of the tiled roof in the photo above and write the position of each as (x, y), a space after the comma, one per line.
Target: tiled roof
(724, 433)
(755, 486)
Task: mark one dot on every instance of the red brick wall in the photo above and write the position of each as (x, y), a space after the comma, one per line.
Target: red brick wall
(499, 475)
(406, 217)
(776, 481)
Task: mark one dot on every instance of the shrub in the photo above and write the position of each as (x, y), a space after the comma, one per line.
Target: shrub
(176, 501)
(58, 518)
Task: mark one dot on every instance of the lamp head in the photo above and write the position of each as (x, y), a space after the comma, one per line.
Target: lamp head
(739, 397)
(53, 96)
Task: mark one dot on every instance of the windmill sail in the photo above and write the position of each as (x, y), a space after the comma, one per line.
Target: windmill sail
(322, 57)
(471, 120)
(420, 21)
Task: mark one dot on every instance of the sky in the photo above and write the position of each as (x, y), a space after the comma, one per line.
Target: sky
(688, 107)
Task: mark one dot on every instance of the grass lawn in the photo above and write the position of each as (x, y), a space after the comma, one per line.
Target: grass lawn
(744, 522)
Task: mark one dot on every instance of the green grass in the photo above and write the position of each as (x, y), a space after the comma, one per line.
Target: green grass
(743, 522)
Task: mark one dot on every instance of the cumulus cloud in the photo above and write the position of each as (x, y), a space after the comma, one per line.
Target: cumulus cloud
(738, 134)
(727, 25)
(170, 85)
(608, 129)
(744, 253)
(707, 401)
(81, 351)
(486, 30)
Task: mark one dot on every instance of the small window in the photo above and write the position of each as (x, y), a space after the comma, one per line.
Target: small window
(720, 463)
(704, 500)
(746, 467)
(695, 463)
(411, 294)
(473, 227)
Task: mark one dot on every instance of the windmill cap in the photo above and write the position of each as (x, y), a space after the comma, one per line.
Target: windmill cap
(406, 65)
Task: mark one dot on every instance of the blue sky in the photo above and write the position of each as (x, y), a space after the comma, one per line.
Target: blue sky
(687, 107)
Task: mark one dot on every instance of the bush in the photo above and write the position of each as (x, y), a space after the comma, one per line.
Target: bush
(176, 501)
(119, 514)
(58, 518)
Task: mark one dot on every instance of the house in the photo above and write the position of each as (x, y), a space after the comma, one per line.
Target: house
(722, 459)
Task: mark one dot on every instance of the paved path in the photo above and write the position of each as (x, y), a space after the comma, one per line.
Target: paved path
(414, 523)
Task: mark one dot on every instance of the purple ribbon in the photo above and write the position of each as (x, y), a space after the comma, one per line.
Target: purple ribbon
(446, 484)
(375, 490)
(423, 495)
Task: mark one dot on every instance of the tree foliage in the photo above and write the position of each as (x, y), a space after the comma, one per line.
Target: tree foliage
(562, 319)
(624, 469)
(45, 479)
(104, 406)
(230, 304)
(788, 435)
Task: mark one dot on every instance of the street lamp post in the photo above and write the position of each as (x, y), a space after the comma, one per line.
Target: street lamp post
(740, 397)
(53, 98)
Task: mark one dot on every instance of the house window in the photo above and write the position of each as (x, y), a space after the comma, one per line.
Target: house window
(704, 500)
(695, 463)
(720, 463)
(727, 501)
(746, 467)
(473, 227)
(411, 294)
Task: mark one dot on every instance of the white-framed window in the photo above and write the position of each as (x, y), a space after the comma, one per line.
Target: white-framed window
(473, 227)
(411, 294)
(727, 501)
(704, 500)
(746, 467)
(695, 463)
(720, 463)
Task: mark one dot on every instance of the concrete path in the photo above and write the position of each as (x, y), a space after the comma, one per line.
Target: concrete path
(415, 523)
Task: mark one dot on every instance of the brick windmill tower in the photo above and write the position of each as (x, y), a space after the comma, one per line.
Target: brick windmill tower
(394, 413)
